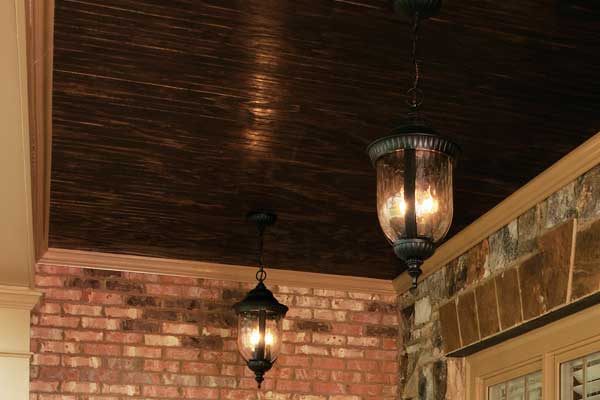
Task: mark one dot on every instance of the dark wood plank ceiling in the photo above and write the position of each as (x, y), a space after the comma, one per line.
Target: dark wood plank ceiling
(172, 119)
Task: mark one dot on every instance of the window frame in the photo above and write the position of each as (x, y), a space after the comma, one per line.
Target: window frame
(508, 374)
(544, 349)
(521, 373)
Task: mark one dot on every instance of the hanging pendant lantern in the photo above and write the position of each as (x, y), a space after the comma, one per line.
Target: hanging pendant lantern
(414, 167)
(260, 315)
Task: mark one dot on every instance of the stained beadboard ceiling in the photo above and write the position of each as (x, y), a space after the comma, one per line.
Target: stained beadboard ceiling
(173, 119)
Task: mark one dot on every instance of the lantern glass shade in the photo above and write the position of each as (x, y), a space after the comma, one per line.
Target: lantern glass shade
(259, 335)
(433, 197)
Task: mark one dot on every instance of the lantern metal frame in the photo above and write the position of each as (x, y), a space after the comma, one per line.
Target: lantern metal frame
(413, 250)
(260, 301)
(415, 135)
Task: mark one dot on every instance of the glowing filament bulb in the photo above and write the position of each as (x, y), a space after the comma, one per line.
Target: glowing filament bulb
(426, 204)
(396, 206)
(255, 338)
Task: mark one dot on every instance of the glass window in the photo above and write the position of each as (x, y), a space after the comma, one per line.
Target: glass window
(528, 387)
(580, 378)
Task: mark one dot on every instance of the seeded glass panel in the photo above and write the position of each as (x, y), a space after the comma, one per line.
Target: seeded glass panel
(249, 337)
(580, 379)
(528, 387)
(433, 194)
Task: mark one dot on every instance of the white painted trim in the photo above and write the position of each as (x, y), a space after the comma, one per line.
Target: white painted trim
(40, 52)
(199, 269)
(22, 61)
(544, 349)
(21, 298)
(13, 354)
(17, 258)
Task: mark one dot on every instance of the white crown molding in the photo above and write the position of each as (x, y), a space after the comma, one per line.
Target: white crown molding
(21, 298)
(563, 172)
(199, 269)
(15, 354)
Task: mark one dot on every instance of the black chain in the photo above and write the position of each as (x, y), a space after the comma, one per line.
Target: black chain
(261, 275)
(414, 91)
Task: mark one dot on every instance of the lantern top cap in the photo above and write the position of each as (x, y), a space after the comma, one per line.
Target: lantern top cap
(262, 219)
(423, 8)
(258, 299)
(412, 136)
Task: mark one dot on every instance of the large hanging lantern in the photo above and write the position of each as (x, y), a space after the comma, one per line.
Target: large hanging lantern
(260, 315)
(414, 167)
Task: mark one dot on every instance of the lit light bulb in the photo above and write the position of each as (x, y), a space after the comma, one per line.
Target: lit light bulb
(427, 204)
(395, 206)
(255, 338)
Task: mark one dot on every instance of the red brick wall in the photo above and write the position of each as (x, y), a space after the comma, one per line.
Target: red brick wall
(100, 335)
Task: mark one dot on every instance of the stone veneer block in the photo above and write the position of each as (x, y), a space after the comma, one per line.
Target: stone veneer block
(467, 269)
(467, 318)
(544, 277)
(530, 224)
(449, 326)
(503, 247)
(487, 309)
(530, 277)
(509, 298)
(455, 276)
(588, 194)
(476, 260)
(561, 206)
(586, 270)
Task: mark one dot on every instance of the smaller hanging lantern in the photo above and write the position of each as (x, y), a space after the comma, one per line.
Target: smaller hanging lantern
(414, 167)
(260, 315)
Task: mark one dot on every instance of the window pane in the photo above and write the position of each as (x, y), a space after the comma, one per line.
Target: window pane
(528, 387)
(580, 379)
(498, 392)
(516, 389)
(592, 368)
(534, 386)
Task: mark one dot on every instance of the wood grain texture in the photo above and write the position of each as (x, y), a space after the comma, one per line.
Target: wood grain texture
(173, 119)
